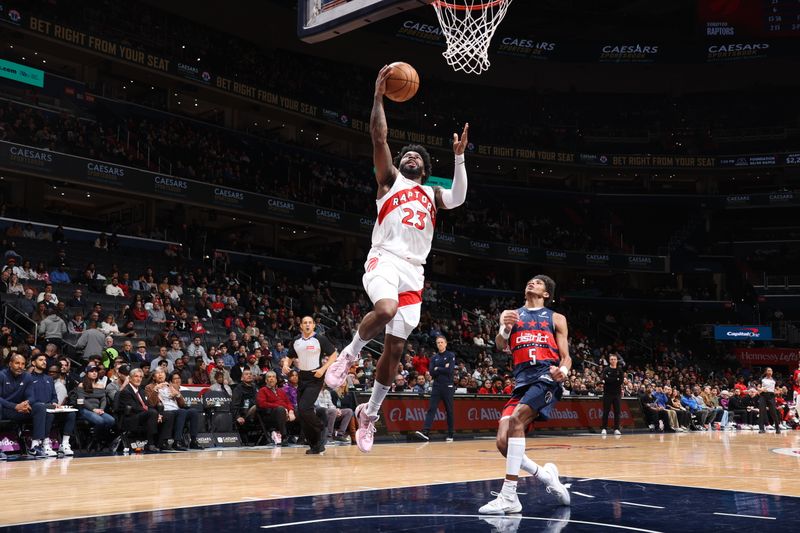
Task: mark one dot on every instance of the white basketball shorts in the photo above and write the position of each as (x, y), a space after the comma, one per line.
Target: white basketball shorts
(387, 276)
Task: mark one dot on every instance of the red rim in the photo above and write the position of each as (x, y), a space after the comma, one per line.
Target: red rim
(485, 5)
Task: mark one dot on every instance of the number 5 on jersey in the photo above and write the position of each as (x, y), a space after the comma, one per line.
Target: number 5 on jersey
(532, 355)
(414, 218)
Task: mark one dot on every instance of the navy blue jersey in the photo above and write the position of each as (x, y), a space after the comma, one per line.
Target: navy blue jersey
(533, 345)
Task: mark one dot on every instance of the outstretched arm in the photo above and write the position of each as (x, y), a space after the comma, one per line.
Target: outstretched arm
(385, 172)
(562, 340)
(452, 198)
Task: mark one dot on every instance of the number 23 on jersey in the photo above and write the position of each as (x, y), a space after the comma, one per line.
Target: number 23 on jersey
(414, 219)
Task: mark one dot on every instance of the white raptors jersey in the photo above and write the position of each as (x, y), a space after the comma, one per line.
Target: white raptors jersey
(406, 218)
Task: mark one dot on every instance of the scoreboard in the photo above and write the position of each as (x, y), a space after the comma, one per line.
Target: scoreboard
(749, 18)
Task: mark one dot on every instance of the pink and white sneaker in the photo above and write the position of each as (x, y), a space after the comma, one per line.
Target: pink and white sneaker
(366, 428)
(337, 372)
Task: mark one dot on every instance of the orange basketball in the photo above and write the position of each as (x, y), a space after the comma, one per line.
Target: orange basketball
(402, 83)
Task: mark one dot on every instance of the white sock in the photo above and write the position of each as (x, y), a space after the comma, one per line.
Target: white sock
(379, 391)
(514, 454)
(509, 488)
(35, 443)
(356, 345)
(538, 472)
(65, 440)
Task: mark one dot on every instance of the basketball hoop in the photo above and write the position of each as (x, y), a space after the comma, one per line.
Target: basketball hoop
(468, 27)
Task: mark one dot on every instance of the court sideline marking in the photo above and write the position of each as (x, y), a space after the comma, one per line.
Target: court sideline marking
(367, 517)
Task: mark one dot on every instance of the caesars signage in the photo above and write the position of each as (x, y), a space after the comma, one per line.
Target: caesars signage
(402, 414)
(131, 180)
(510, 45)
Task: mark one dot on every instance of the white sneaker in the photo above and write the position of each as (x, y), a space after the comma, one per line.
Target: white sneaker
(503, 504)
(276, 438)
(48, 449)
(66, 449)
(617, 432)
(503, 524)
(603, 432)
(555, 487)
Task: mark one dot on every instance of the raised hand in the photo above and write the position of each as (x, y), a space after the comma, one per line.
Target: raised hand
(459, 145)
(380, 83)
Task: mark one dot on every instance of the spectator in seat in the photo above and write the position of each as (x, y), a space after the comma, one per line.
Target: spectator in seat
(157, 315)
(76, 324)
(160, 394)
(92, 341)
(52, 328)
(26, 304)
(138, 312)
(331, 414)
(43, 391)
(116, 384)
(674, 405)
(290, 387)
(182, 370)
(14, 285)
(78, 300)
(109, 353)
(135, 412)
(751, 403)
(26, 272)
(16, 404)
(399, 384)
(59, 275)
(495, 387)
(163, 356)
(109, 327)
(41, 272)
(92, 400)
(274, 406)
(112, 289)
(47, 295)
(196, 349)
(419, 385)
(200, 374)
(220, 384)
(174, 353)
(243, 401)
(703, 415)
(193, 415)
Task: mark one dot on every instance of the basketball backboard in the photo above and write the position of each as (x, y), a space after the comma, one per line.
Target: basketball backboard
(318, 20)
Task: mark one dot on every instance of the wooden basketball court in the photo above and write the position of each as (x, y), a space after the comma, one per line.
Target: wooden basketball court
(61, 489)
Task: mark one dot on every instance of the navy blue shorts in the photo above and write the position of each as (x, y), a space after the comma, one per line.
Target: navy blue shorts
(540, 396)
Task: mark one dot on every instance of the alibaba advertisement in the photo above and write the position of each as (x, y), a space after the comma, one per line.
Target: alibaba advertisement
(483, 413)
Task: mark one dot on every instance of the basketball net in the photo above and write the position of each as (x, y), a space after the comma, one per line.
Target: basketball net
(468, 27)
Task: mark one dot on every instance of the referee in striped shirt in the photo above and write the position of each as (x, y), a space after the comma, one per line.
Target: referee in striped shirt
(308, 350)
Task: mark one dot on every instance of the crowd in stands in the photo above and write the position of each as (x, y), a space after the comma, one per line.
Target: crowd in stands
(700, 123)
(168, 326)
(195, 151)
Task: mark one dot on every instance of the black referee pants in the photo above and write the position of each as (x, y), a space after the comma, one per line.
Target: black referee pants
(612, 401)
(440, 393)
(308, 390)
(767, 401)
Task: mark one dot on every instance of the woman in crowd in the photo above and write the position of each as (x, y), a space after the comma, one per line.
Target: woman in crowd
(138, 312)
(41, 272)
(14, 285)
(27, 272)
(90, 398)
(200, 374)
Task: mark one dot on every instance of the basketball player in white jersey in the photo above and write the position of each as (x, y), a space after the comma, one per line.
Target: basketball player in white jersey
(401, 241)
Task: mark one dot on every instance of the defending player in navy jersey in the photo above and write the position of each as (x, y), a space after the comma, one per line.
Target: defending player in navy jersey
(537, 339)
